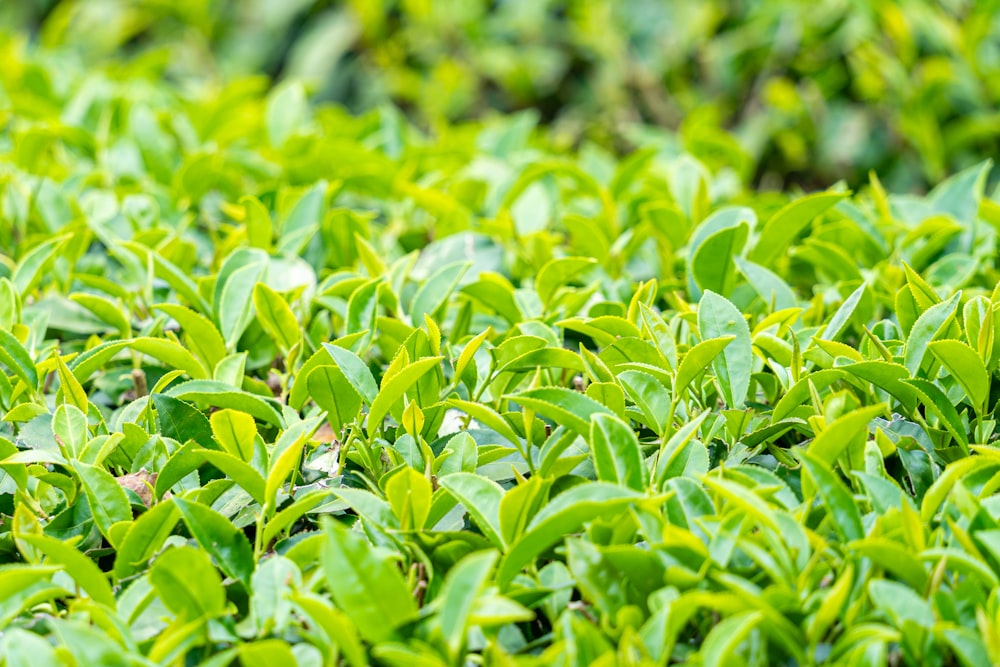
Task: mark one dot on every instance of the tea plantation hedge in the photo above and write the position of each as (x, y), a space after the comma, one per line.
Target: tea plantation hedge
(281, 383)
(809, 91)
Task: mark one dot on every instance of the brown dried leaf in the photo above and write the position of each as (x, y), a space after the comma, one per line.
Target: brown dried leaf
(325, 434)
(142, 483)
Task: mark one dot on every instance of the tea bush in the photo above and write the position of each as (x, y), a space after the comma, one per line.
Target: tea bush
(286, 385)
(812, 92)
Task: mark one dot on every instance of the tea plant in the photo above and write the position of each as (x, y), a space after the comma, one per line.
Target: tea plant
(792, 92)
(282, 385)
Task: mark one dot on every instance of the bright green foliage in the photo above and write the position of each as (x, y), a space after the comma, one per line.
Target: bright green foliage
(789, 92)
(282, 385)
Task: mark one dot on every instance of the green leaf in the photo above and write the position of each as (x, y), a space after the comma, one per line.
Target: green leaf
(900, 603)
(800, 391)
(369, 507)
(34, 265)
(832, 605)
(338, 629)
(367, 587)
(520, 504)
(719, 318)
(285, 456)
(435, 291)
(409, 495)
(87, 644)
(488, 417)
(181, 464)
(286, 110)
(69, 425)
(234, 288)
(107, 311)
(657, 330)
(938, 492)
(289, 515)
(238, 470)
(144, 538)
(200, 335)
(958, 196)
(721, 644)
(298, 394)
(225, 543)
(222, 395)
(496, 293)
(172, 354)
(459, 595)
(840, 505)
(362, 310)
(649, 395)
(82, 569)
(563, 406)
(698, 359)
(891, 377)
(936, 400)
(182, 421)
(232, 369)
(169, 273)
(235, 431)
(743, 499)
(893, 557)
(769, 286)
(968, 646)
(546, 357)
(784, 226)
(188, 584)
(10, 304)
(16, 358)
(605, 330)
(267, 652)
(836, 324)
(617, 455)
(610, 395)
(712, 264)
(25, 585)
(70, 389)
(923, 294)
(838, 436)
(275, 580)
(932, 324)
(260, 230)
(673, 456)
(276, 317)
(332, 392)
(567, 513)
(556, 273)
(22, 648)
(393, 389)
(355, 371)
(303, 221)
(967, 368)
(481, 498)
(108, 503)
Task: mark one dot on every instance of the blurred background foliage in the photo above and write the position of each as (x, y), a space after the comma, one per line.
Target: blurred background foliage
(805, 92)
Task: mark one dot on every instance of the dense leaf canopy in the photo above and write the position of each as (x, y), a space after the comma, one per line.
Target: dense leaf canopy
(800, 92)
(287, 383)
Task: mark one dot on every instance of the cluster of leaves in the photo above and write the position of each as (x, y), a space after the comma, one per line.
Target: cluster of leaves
(812, 92)
(285, 386)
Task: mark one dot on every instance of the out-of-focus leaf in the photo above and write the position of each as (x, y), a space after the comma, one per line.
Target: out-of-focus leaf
(366, 587)
(188, 584)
